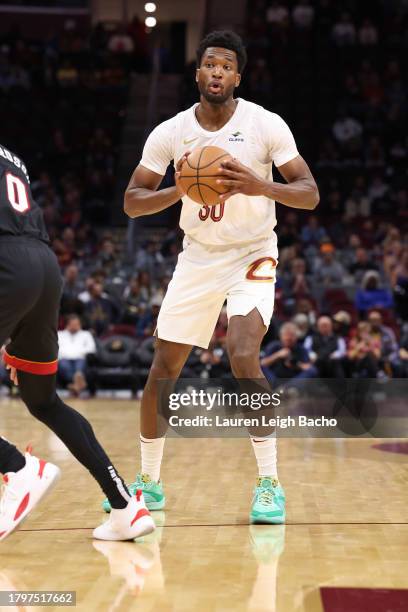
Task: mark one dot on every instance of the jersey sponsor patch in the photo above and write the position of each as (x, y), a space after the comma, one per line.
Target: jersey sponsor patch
(236, 137)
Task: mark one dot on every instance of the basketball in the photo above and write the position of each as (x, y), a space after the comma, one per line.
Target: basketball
(200, 172)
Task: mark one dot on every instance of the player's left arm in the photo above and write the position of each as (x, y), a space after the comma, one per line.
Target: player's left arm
(300, 191)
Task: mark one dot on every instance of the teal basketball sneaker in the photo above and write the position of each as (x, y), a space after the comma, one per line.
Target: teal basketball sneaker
(152, 493)
(268, 504)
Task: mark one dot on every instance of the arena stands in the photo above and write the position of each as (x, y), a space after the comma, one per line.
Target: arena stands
(339, 79)
(337, 75)
(51, 92)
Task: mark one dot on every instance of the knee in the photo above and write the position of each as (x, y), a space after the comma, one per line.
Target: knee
(80, 365)
(40, 406)
(168, 361)
(37, 409)
(245, 362)
(164, 368)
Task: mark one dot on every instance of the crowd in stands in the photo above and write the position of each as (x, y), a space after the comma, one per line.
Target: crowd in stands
(337, 76)
(335, 310)
(51, 92)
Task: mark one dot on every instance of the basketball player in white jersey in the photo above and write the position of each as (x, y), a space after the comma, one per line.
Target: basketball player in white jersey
(230, 250)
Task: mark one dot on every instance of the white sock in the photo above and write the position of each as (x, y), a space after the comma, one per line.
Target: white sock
(152, 453)
(265, 454)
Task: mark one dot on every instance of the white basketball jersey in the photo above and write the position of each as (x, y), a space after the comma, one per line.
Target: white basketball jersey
(257, 138)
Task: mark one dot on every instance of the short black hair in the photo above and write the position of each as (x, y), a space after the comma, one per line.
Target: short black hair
(226, 39)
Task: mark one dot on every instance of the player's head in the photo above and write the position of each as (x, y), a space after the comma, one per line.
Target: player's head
(221, 58)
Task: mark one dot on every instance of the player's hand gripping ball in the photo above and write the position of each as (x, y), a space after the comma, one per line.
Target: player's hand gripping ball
(198, 173)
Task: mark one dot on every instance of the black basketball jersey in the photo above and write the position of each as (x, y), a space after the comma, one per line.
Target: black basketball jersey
(20, 215)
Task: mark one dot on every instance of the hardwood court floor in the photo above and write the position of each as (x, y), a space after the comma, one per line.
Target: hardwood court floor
(347, 524)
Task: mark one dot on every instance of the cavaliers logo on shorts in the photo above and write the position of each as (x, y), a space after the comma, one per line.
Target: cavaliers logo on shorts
(262, 269)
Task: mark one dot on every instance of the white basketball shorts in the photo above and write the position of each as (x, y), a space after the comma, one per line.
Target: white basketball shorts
(204, 277)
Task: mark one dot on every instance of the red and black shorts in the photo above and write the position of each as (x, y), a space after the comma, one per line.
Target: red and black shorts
(30, 291)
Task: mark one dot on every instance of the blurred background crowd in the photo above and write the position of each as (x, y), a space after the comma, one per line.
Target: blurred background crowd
(338, 77)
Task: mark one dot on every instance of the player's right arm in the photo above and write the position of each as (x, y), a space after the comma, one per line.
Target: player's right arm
(141, 195)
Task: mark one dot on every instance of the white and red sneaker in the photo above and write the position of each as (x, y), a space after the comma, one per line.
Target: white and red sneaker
(22, 491)
(128, 523)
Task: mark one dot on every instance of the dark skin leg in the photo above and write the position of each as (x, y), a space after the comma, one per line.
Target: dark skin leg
(244, 337)
(168, 361)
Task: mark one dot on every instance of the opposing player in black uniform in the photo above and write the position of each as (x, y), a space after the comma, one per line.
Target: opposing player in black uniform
(30, 289)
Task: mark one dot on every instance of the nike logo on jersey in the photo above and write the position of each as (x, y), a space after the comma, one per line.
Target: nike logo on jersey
(186, 141)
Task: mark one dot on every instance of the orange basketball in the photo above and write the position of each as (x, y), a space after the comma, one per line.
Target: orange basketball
(199, 173)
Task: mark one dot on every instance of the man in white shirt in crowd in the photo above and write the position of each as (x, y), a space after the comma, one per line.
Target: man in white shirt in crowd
(75, 344)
